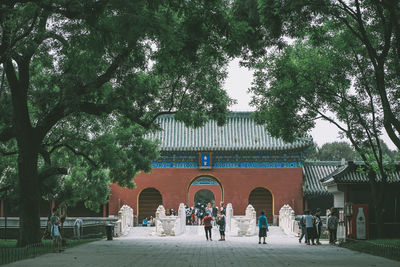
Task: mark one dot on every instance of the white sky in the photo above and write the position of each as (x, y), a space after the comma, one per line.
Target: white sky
(239, 80)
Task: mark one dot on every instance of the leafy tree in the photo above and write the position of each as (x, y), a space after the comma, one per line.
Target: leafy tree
(336, 151)
(371, 27)
(83, 81)
(312, 154)
(343, 68)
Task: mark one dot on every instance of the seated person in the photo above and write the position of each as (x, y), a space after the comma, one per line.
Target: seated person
(150, 222)
(144, 222)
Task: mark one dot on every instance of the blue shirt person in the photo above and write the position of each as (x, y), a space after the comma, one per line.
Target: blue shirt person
(263, 227)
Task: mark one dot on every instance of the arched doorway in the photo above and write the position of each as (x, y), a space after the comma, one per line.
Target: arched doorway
(204, 196)
(261, 199)
(149, 200)
(206, 188)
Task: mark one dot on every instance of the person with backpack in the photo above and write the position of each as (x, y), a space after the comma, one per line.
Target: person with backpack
(263, 227)
(309, 219)
(302, 224)
(332, 224)
(317, 225)
(221, 223)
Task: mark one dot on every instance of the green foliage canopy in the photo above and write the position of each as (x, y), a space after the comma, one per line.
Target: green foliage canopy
(82, 82)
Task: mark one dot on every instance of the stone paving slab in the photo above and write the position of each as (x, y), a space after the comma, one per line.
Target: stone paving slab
(191, 249)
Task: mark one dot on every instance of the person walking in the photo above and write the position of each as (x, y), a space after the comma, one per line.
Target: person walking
(193, 216)
(302, 224)
(188, 212)
(332, 223)
(207, 225)
(309, 226)
(55, 230)
(318, 225)
(221, 223)
(263, 227)
(222, 207)
(209, 209)
(214, 212)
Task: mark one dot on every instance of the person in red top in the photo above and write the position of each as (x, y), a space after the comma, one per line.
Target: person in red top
(207, 225)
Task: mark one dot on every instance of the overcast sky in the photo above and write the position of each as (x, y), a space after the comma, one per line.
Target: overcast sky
(237, 84)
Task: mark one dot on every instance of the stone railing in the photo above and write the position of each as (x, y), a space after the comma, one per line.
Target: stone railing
(241, 225)
(125, 220)
(13, 222)
(287, 221)
(170, 225)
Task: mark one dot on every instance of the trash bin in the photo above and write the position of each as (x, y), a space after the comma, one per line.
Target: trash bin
(109, 231)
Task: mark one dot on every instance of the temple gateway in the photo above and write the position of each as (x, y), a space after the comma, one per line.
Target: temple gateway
(238, 163)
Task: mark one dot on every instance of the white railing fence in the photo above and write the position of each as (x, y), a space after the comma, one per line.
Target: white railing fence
(125, 220)
(241, 225)
(170, 225)
(287, 221)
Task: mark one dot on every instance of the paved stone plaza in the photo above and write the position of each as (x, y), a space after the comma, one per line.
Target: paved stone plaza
(191, 249)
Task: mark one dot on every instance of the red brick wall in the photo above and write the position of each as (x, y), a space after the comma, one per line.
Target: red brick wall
(173, 184)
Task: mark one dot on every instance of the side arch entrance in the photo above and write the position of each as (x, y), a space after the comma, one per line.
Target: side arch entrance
(261, 199)
(149, 200)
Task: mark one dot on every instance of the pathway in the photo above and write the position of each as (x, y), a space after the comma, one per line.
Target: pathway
(191, 249)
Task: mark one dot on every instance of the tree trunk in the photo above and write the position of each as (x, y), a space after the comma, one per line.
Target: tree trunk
(378, 193)
(29, 192)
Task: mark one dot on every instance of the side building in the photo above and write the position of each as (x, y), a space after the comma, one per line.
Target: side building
(238, 163)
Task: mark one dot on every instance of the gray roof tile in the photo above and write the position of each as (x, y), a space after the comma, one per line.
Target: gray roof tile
(240, 133)
(350, 173)
(313, 172)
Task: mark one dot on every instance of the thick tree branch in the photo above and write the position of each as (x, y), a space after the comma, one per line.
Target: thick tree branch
(26, 32)
(55, 115)
(370, 49)
(8, 153)
(48, 172)
(46, 155)
(94, 109)
(60, 111)
(368, 90)
(347, 9)
(76, 152)
(55, 36)
(107, 75)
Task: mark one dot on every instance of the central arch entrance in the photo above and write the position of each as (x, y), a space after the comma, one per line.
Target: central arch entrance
(261, 199)
(204, 196)
(204, 189)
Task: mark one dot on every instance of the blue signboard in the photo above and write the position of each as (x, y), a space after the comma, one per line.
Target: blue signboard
(205, 160)
(205, 181)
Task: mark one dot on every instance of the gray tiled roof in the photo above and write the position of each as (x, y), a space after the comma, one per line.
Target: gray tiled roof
(313, 172)
(239, 133)
(350, 173)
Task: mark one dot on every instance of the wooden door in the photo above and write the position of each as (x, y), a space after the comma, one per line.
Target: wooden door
(261, 199)
(149, 200)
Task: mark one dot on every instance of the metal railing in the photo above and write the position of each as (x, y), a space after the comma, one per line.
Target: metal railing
(370, 247)
(11, 254)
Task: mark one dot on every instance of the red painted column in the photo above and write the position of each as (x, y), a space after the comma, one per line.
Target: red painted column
(104, 210)
(53, 204)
